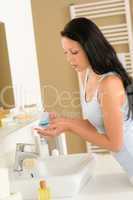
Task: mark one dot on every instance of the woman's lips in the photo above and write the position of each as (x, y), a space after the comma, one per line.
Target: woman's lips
(74, 66)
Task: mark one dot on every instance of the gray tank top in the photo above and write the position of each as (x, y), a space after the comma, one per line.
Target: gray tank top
(92, 111)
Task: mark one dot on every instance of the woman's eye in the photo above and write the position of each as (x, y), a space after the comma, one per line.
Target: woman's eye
(75, 52)
(71, 52)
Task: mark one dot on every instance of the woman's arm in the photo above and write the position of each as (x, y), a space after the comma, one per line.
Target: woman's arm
(111, 103)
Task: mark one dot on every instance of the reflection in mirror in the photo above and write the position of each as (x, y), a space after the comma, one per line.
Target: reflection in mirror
(6, 90)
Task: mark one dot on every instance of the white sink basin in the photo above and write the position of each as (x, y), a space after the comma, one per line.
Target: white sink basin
(65, 176)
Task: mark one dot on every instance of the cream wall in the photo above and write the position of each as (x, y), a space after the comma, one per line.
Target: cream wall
(50, 16)
(49, 19)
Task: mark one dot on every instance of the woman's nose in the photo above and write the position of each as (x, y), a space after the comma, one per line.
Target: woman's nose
(69, 58)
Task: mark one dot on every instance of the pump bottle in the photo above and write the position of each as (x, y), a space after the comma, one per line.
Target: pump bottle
(43, 192)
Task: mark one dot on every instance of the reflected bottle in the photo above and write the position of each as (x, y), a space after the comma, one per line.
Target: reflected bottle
(44, 191)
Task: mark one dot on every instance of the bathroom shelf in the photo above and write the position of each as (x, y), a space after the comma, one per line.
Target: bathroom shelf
(15, 126)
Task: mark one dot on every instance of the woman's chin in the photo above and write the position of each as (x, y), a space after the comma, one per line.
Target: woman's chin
(78, 69)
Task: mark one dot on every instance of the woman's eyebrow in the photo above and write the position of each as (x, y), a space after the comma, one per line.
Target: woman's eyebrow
(74, 49)
(71, 49)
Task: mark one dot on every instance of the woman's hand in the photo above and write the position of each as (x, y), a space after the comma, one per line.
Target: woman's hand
(56, 127)
(52, 115)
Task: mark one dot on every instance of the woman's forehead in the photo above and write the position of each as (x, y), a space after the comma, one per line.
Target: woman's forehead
(69, 43)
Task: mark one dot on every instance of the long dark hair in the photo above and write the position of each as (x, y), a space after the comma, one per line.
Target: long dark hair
(100, 53)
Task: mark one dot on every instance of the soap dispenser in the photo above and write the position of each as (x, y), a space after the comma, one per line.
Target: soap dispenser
(44, 192)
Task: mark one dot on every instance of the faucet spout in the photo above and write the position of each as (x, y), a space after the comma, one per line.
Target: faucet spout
(20, 156)
(22, 153)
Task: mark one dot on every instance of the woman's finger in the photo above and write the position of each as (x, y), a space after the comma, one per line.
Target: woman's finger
(45, 137)
(54, 121)
(52, 115)
(52, 126)
(46, 132)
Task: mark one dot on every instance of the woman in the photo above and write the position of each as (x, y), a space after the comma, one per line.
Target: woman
(106, 93)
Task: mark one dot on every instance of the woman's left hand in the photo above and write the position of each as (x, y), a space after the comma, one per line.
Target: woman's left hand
(56, 127)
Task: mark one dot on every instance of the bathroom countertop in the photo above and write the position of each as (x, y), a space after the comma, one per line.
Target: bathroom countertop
(109, 183)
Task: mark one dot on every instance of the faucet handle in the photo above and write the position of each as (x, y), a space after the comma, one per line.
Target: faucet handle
(21, 146)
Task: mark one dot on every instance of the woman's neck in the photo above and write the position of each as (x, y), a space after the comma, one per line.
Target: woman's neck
(92, 75)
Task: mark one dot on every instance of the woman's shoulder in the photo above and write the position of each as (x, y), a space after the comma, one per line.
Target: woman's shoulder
(111, 80)
(112, 84)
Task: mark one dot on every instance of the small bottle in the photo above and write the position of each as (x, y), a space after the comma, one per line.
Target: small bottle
(44, 120)
(44, 192)
(55, 152)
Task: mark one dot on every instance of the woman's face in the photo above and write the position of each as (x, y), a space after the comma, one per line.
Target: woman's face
(75, 54)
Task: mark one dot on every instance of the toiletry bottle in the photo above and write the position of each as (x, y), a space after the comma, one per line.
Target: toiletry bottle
(44, 119)
(44, 192)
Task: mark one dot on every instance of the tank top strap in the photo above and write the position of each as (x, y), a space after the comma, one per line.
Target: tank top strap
(105, 75)
(85, 81)
(99, 81)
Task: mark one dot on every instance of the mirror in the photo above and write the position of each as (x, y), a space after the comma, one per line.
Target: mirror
(19, 50)
(6, 90)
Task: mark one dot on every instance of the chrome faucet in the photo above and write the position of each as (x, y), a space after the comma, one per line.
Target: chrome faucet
(22, 153)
